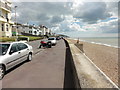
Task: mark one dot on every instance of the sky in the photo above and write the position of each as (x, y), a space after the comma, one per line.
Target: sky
(75, 18)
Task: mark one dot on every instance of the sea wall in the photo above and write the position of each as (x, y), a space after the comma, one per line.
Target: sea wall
(71, 78)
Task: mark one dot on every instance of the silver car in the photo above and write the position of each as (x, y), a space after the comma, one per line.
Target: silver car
(53, 40)
(12, 54)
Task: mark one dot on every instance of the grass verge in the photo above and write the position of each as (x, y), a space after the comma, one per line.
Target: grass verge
(11, 39)
(32, 38)
(6, 39)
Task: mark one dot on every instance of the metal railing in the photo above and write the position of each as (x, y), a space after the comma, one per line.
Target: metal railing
(4, 5)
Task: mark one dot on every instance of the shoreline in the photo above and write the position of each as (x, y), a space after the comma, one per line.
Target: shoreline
(92, 42)
(105, 57)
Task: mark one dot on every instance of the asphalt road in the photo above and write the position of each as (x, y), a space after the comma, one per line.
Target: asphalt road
(46, 70)
(35, 45)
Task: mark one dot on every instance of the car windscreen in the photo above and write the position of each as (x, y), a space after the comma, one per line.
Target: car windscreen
(51, 38)
(4, 48)
(45, 40)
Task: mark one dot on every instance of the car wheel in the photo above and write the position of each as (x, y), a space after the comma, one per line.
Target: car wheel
(2, 71)
(29, 57)
(49, 46)
(40, 46)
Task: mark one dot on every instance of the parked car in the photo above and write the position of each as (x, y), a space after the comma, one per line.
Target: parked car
(53, 40)
(58, 38)
(45, 43)
(12, 54)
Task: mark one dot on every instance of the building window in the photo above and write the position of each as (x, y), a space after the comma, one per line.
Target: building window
(7, 27)
(30, 27)
(35, 32)
(30, 32)
(2, 27)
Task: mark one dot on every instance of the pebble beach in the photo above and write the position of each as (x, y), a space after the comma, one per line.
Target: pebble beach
(105, 57)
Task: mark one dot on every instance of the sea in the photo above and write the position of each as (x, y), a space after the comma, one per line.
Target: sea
(107, 41)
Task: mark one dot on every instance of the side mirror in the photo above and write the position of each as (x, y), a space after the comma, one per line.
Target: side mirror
(11, 52)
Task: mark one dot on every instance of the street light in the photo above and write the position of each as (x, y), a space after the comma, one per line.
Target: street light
(16, 21)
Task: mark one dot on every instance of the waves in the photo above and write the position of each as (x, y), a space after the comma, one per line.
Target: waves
(110, 42)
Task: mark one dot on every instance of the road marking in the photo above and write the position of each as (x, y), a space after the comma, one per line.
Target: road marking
(38, 51)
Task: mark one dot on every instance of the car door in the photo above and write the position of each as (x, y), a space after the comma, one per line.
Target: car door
(24, 51)
(14, 56)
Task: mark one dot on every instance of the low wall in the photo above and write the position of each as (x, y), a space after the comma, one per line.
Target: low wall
(71, 78)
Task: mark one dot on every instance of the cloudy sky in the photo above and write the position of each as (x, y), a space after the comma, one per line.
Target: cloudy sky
(75, 18)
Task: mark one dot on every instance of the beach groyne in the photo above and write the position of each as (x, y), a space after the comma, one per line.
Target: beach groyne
(88, 75)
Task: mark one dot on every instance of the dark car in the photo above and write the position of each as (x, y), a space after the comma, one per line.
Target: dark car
(58, 38)
(45, 43)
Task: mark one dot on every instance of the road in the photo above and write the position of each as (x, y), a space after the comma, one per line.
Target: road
(46, 70)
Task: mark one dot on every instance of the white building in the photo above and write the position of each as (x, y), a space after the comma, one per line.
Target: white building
(31, 30)
(45, 30)
(5, 18)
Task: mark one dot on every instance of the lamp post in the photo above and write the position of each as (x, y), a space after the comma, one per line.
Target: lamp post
(16, 22)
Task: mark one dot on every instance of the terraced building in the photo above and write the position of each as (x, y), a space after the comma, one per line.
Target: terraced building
(5, 18)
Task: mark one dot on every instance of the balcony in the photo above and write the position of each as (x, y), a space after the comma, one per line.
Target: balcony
(5, 20)
(5, 6)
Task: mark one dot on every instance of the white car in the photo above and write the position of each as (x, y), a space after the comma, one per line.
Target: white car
(53, 40)
(12, 54)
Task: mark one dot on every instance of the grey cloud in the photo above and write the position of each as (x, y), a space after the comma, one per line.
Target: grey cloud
(49, 13)
(112, 28)
(56, 19)
(56, 8)
(91, 12)
(43, 17)
(46, 12)
(112, 7)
